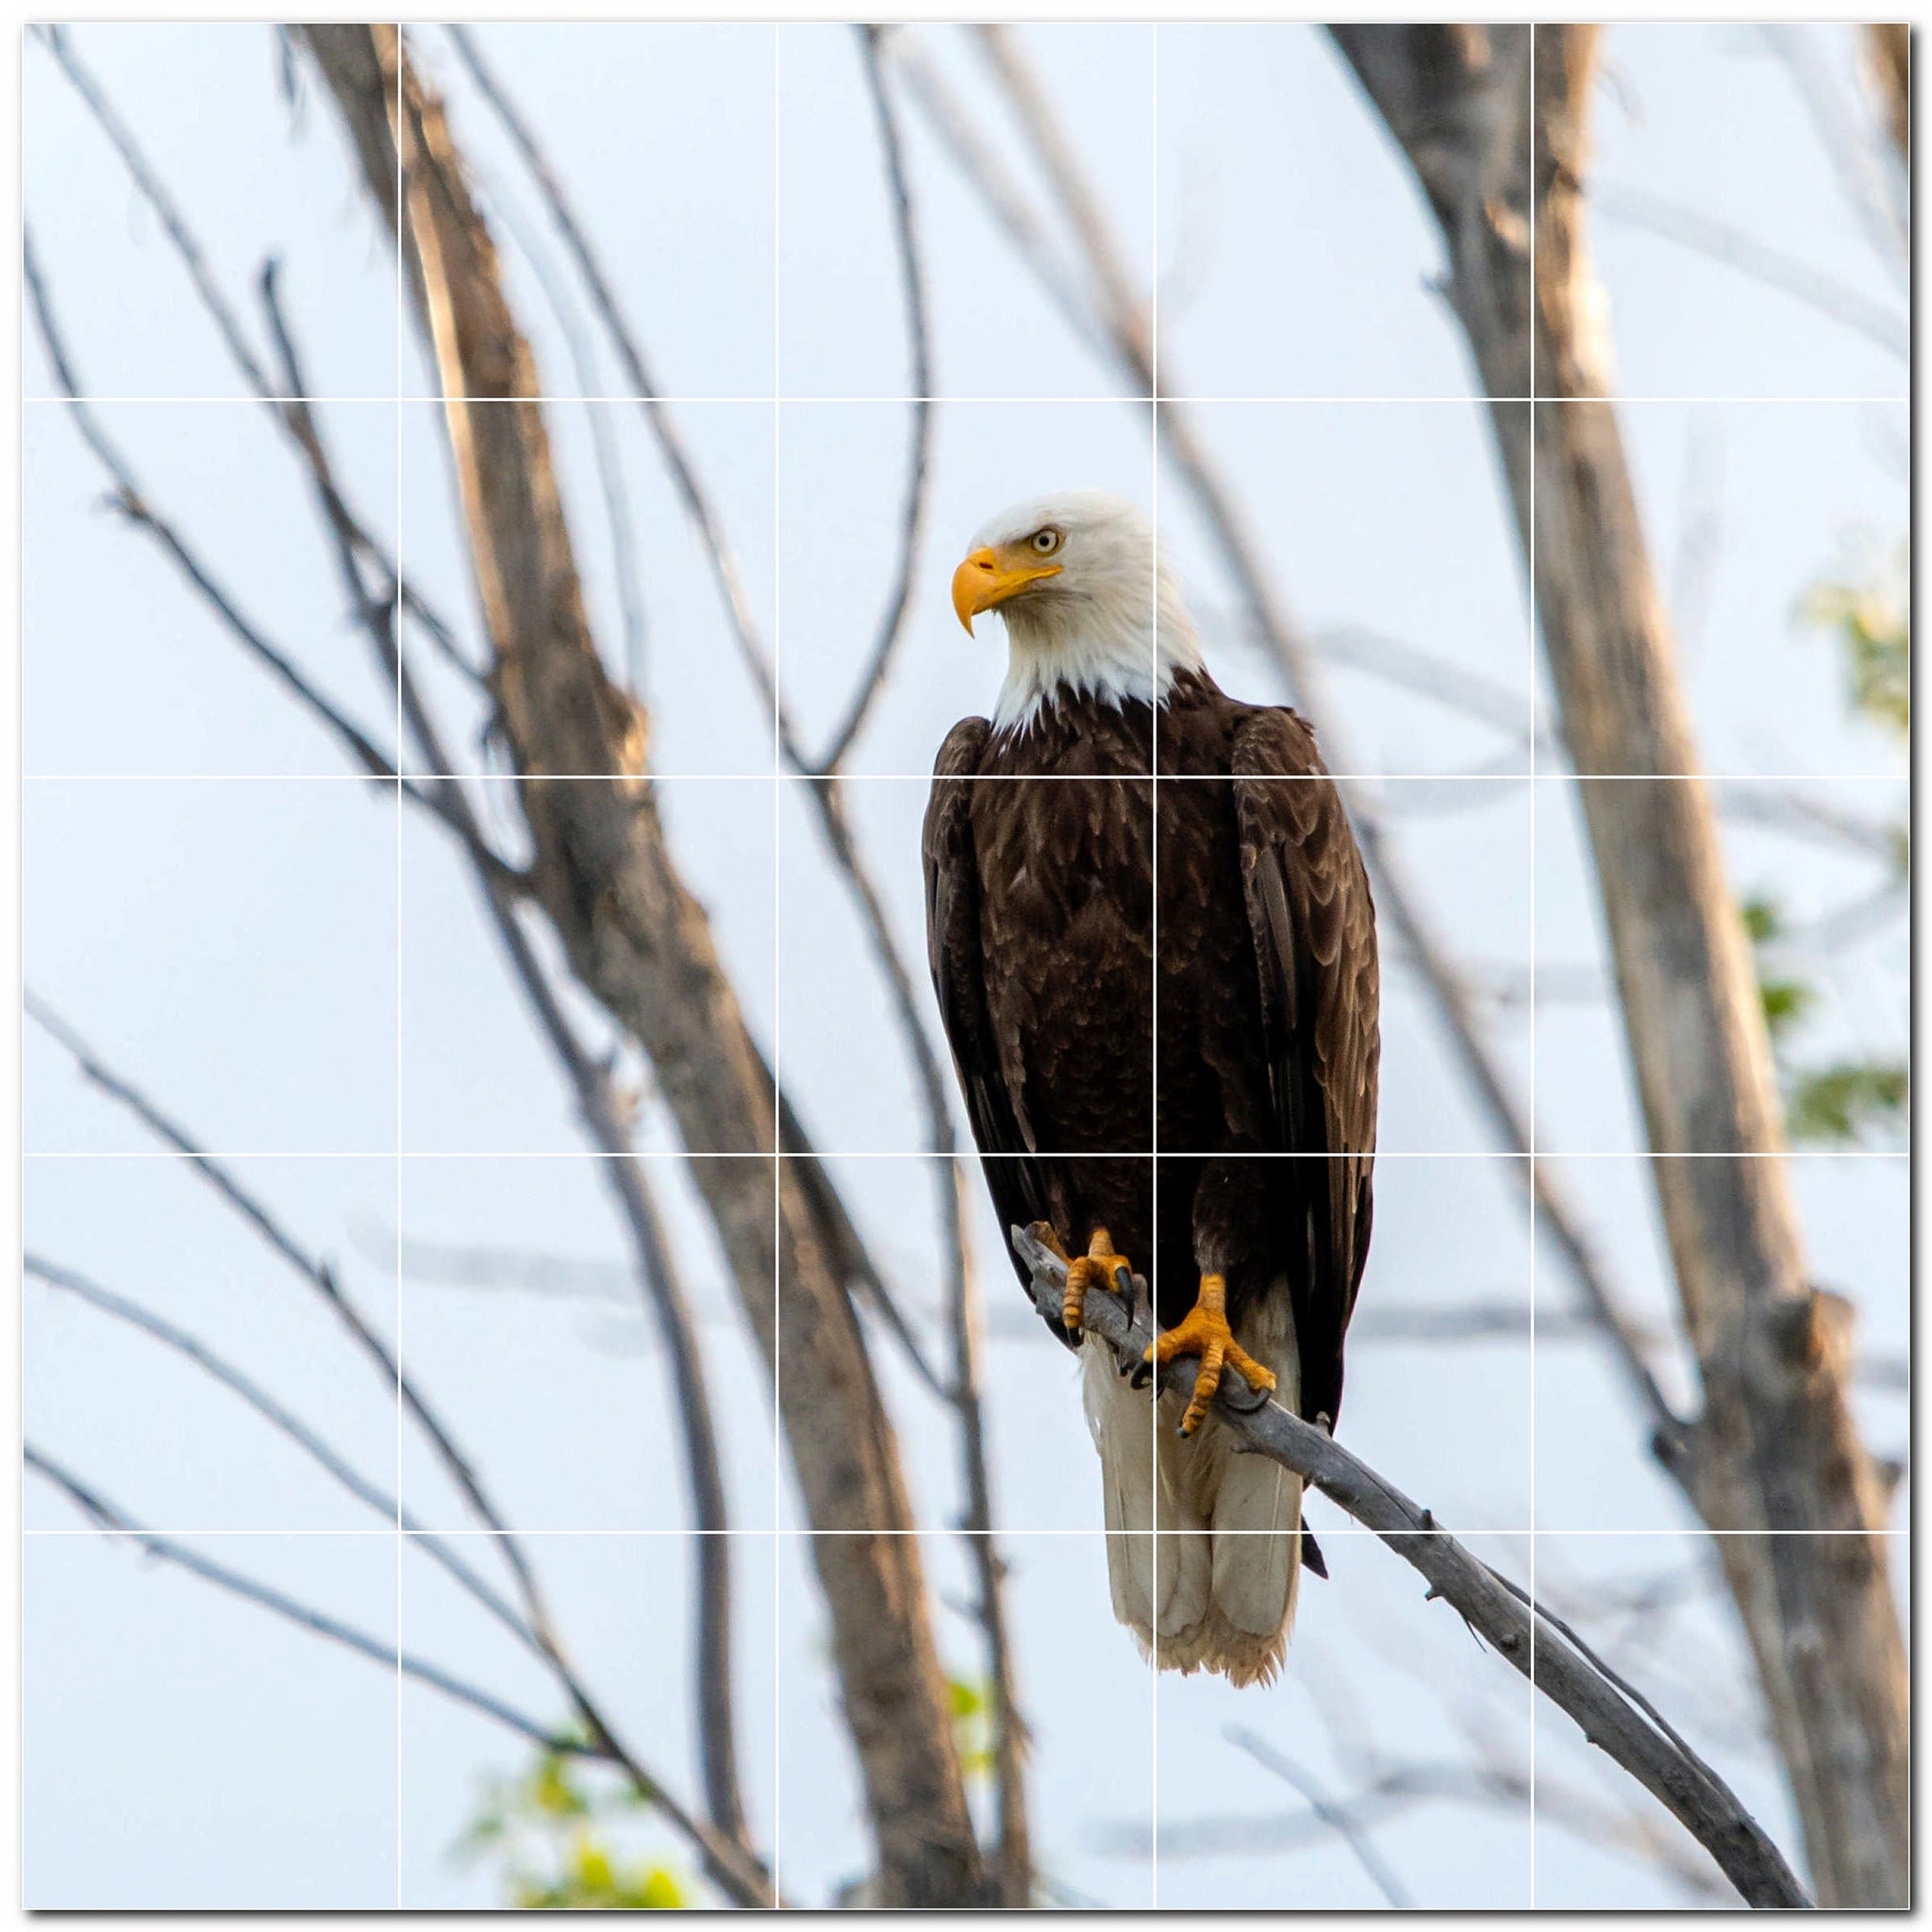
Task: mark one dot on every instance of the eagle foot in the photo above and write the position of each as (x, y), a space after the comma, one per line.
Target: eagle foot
(1204, 1333)
(1099, 1267)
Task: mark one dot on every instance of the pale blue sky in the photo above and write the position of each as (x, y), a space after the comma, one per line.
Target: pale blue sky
(307, 984)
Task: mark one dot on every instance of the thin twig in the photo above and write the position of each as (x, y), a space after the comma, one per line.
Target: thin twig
(663, 1292)
(1788, 273)
(962, 1393)
(871, 679)
(1123, 321)
(286, 1423)
(321, 1276)
(959, 133)
(1337, 1818)
(1558, 1664)
(130, 503)
(154, 191)
(697, 503)
(723, 1861)
(149, 184)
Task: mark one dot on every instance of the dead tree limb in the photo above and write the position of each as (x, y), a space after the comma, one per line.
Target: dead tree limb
(1888, 63)
(959, 1388)
(1612, 1716)
(641, 944)
(1776, 1448)
(892, 628)
(280, 1418)
(727, 1863)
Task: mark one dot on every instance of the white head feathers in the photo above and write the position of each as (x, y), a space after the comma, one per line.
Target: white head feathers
(1107, 623)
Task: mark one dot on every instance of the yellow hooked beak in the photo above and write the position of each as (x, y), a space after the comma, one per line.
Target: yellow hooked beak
(991, 577)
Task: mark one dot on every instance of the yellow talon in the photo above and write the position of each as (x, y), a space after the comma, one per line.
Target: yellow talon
(1204, 1332)
(1098, 1267)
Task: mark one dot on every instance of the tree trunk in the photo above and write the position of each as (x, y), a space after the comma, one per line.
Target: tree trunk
(640, 943)
(1775, 1449)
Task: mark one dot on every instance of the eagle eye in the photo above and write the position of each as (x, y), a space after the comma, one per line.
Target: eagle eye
(1045, 543)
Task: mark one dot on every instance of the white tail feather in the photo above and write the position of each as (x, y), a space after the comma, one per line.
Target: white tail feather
(1215, 1589)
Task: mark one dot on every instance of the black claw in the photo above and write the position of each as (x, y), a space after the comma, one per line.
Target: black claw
(1311, 1554)
(1138, 1373)
(1123, 1281)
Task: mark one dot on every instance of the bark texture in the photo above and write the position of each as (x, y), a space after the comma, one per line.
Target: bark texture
(640, 944)
(1775, 1448)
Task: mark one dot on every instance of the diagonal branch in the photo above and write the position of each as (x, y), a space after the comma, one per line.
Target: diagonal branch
(641, 945)
(1610, 1714)
(663, 1292)
(912, 516)
(286, 1423)
(319, 1276)
(698, 507)
(154, 191)
(724, 1862)
(129, 501)
(1339, 1819)
(1122, 322)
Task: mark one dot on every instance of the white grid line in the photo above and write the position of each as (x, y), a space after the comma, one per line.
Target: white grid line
(1529, 577)
(401, 1137)
(1794, 1156)
(805, 1533)
(1153, 959)
(1496, 779)
(778, 949)
(398, 1156)
(1110, 399)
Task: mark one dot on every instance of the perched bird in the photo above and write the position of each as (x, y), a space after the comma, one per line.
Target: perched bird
(1153, 944)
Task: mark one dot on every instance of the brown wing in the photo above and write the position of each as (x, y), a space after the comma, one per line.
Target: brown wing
(953, 945)
(1314, 929)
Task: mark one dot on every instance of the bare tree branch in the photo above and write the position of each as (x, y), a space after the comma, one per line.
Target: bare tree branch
(1610, 1714)
(1877, 200)
(319, 1276)
(1337, 1818)
(285, 1423)
(641, 945)
(724, 1862)
(663, 425)
(912, 516)
(1123, 321)
(712, 1611)
(1888, 65)
(1387, 1794)
(131, 504)
(1014, 1857)
(58, 42)
(1776, 1448)
(1772, 267)
(292, 387)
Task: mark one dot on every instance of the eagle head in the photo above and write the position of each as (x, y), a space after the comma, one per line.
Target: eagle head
(1091, 607)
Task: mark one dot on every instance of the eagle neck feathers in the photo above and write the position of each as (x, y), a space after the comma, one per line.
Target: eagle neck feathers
(1110, 651)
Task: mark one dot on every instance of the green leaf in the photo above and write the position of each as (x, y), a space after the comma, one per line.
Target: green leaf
(1786, 1002)
(1762, 917)
(1869, 613)
(1834, 1104)
(660, 1891)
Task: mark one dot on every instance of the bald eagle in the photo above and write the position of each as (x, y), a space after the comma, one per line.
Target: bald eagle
(1154, 949)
